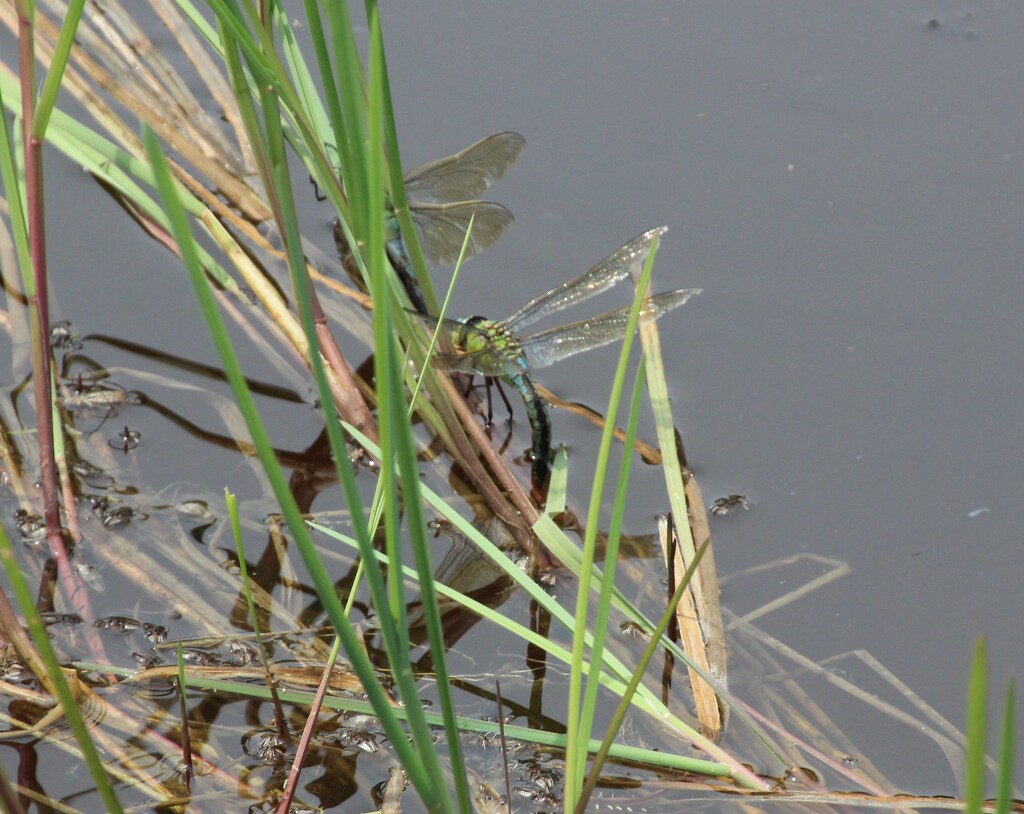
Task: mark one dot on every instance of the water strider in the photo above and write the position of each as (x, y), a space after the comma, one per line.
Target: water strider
(442, 201)
(498, 350)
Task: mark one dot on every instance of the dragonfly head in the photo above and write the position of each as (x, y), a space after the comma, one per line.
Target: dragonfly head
(476, 334)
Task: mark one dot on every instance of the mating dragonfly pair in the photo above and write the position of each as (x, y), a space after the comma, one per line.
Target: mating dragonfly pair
(442, 201)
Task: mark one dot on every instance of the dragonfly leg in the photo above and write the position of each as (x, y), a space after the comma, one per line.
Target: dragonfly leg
(488, 383)
(320, 197)
(504, 398)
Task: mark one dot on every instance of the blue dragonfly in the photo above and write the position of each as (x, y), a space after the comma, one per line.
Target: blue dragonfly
(442, 201)
(498, 351)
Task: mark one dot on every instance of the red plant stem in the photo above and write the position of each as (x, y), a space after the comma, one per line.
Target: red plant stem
(307, 735)
(347, 398)
(40, 348)
(39, 301)
(40, 309)
(186, 737)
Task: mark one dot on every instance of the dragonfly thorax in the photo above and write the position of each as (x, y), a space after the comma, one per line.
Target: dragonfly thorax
(495, 351)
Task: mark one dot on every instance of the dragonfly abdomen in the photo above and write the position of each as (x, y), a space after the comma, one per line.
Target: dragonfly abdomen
(540, 426)
(399, 259)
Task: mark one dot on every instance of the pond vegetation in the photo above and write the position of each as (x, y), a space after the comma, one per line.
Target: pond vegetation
(295, 683)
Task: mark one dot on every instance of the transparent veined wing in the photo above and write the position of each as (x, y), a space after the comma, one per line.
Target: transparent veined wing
(625, 261)
(550, 346)
(441, 228)
(465, 175)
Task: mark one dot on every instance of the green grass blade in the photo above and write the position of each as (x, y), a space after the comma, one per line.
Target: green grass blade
(524, 734)
(977, 709)
(623, 689)
(332, 94)
(266, 70)
(618, 673)
(326, 124)
(623, 707)
(116, 167)
(51, 85)
(394, 416)
(577, 727)
(671, 466)
(401, 203)
(605, 590)
(1004, 783)
(13, 181)
(392, 613)
(322, 581)
(391, 610)
(437, 335)
(59, 683)
(349, 120)
(558, 486)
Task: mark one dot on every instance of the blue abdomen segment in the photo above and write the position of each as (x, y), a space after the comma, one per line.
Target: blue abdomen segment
(399, 259)
(540, 425)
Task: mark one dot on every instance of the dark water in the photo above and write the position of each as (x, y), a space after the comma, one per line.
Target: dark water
(843, 181)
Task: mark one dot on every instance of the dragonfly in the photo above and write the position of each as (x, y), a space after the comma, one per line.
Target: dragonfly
(442, 201)
(498, 351)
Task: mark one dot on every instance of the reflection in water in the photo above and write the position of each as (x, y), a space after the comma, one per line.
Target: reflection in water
(537, 663)
(466, 570)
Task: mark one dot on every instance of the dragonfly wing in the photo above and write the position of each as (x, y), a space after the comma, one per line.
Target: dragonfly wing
(430, 324)
(547, 347)
(442, 228)
(475, 364)
(465, 175)
(625, 261)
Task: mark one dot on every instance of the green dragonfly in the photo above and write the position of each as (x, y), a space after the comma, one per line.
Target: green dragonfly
(442, 201)
(497, 350)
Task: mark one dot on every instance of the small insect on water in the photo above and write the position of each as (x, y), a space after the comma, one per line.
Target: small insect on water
(61, 337)
(729, 504)
(126, 440)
